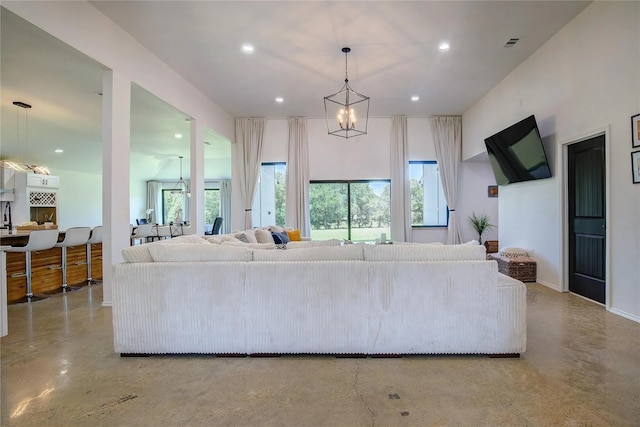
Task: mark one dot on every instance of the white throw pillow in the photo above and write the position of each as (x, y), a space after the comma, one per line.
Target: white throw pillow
(263, 236)
(251, 236)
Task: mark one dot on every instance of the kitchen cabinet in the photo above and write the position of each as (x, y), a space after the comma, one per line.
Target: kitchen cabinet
(36, 198)
(44, 181)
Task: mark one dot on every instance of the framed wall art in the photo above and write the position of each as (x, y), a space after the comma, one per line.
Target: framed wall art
(635, 166)
(635, 131)
(492, 191)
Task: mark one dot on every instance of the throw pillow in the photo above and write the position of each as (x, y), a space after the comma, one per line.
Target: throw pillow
(277, 238)
(263, 236)
(512, 252)
(242, 237)
(284, 236)
(251, 236)
(294, 235)
(281, 246)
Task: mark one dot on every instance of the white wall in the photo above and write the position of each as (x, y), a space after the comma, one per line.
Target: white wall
(586, 78)
(79, 199)
(367, 157)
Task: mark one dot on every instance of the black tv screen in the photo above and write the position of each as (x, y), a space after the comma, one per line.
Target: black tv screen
(517, 153)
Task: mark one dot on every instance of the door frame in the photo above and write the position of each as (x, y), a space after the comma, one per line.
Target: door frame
(563, 154)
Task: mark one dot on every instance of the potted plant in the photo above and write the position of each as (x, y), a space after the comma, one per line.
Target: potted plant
(480, 223)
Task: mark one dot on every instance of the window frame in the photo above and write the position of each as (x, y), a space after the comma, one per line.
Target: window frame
(427, 226)
(275, 215)
(348, 182)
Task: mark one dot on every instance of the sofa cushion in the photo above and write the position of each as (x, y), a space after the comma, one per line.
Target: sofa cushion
(313, 243)
(320, 253)
(416, 243)
(263, 236)
(215, 239)
(138, 253)
(424, 252)
(250, 245)
(187, 238)
(194, 252)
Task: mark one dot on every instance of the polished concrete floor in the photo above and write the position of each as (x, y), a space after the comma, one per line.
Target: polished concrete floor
(582, 368)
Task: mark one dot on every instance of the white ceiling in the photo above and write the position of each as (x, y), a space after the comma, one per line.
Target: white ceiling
(297, 56)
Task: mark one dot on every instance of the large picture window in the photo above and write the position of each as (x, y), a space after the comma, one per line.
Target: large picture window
(353, 210)
(428, 204)
(270, 196)
(174, 206)
(211, 205)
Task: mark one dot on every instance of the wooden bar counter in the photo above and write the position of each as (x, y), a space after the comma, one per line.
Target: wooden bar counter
(46, 266)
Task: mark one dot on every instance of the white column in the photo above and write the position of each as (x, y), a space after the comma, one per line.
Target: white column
(116, 131)
(197, 177)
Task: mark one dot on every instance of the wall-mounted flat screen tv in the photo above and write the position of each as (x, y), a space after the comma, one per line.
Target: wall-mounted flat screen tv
(517, 153)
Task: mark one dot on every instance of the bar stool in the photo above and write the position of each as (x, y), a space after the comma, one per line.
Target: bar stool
(74, 236)
(39, 240)
(95, 237)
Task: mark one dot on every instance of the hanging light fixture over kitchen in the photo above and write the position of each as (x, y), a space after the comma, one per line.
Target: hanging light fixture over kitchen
(347, 111)
(17, 165)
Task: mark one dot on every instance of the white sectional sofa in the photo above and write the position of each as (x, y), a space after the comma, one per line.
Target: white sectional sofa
(191, 296)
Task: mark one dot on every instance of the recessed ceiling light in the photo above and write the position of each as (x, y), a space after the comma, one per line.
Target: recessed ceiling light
(443, 46)
(279, 100)
(58, 150)
(415, 98)
(178, 135)
(247, 48)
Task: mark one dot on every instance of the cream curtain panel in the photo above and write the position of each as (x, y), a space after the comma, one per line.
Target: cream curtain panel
(248, 145)
(447, 137)
(297, 212)
(225, 205)
(154, 201)
(400, 195)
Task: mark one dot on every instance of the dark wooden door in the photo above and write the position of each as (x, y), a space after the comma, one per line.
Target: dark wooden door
(587, 219)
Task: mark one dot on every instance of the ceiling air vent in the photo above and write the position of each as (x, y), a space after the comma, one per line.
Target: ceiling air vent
(512, 41)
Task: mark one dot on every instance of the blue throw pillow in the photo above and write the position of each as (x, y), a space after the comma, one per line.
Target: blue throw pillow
(280, 238)
(284, 236)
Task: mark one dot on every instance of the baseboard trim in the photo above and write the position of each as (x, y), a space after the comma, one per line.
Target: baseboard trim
(625, 314)
(555, 287)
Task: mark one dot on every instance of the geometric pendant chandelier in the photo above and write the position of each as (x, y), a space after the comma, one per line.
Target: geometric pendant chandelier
(347, 111)
(181, 186)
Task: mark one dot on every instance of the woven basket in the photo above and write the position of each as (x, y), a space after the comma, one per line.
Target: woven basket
(520, 268)
(491, 245)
